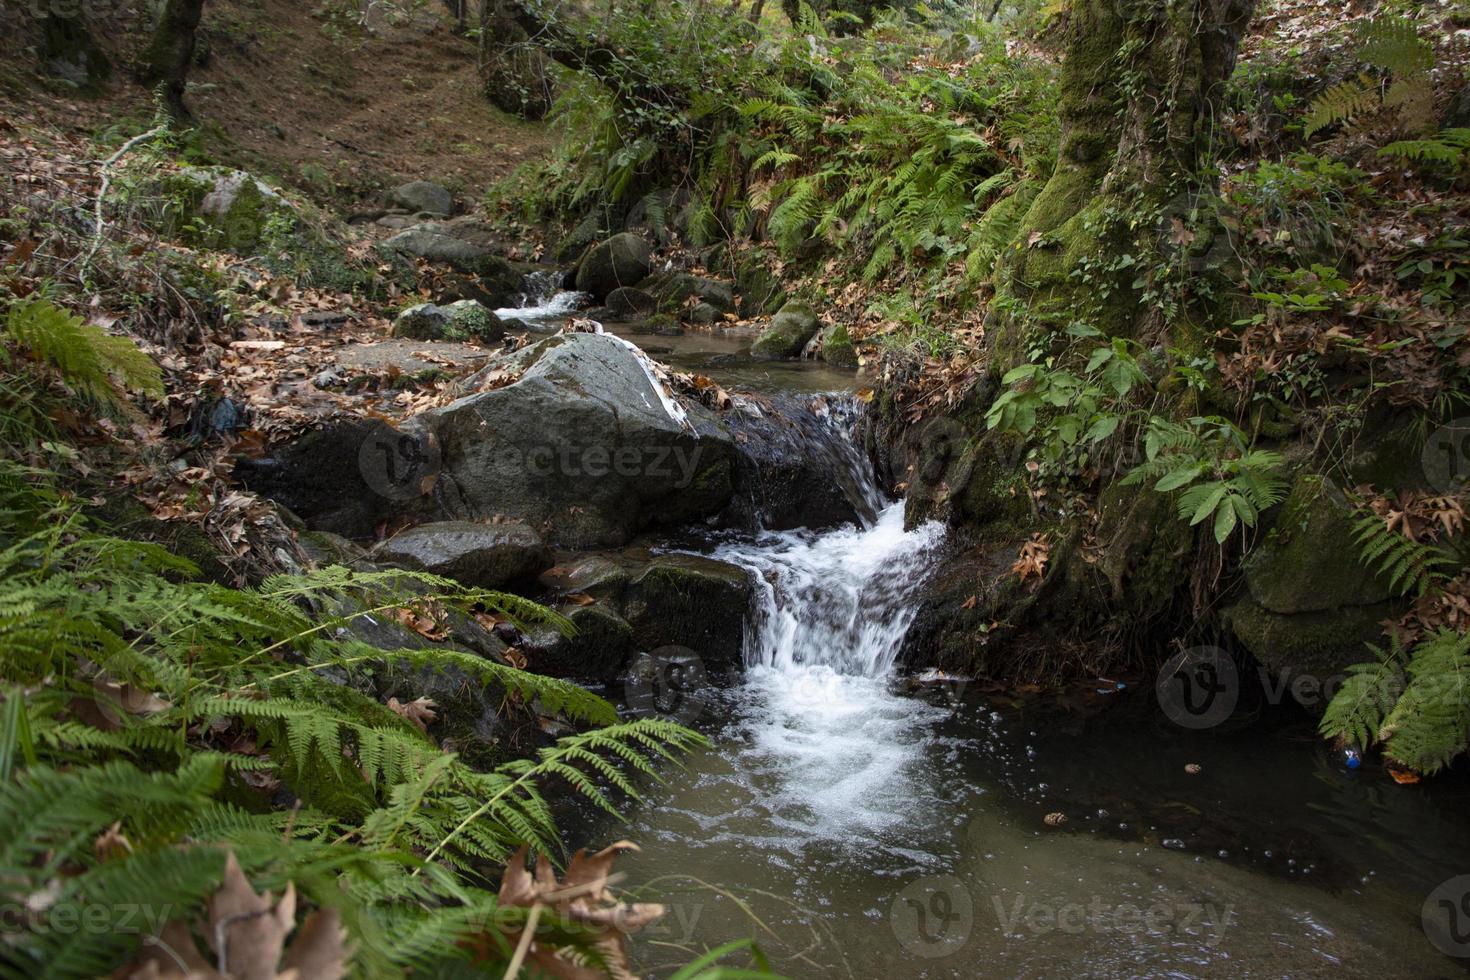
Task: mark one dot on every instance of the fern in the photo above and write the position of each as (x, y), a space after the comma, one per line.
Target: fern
(1429, 725)
(87, 359)
(1357, 712)
(1393, 46)
(1409, 566)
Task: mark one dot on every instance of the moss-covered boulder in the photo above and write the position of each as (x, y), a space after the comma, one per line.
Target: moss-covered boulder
(630, 301)
(466, 319)
(454, 245)
(790, 329)
(1309, 561)
(227, 209)
(1311, 604)
(838, 349)
(594, 575)
(622, 260)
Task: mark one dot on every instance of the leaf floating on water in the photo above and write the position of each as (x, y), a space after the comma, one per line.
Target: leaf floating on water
(1193, 768)
(1404, 777)
(1055, 819)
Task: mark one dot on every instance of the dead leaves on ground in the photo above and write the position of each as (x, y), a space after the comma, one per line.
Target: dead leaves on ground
(246, 933)
(420, 711)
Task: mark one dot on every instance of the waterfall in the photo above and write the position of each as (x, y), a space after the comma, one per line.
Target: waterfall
(834, 751)
(542, 298)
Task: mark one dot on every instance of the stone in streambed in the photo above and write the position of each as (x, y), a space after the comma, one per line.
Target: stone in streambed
(580, 444)
(486, 556)
(630, 301)
(788, 333)
(691, 601)
(598, 648)
(466, 319)
(622, 260)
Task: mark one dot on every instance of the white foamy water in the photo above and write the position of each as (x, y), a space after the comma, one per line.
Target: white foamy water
(540, 306)
(831, 752)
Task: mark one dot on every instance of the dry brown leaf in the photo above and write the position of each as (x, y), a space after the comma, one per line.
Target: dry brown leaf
(420, 711)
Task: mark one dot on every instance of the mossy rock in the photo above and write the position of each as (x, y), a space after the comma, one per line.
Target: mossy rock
(466, 319)
(691, 601)
(1317, 644)
(227, 209)
(788, 333)
(1147, 550)
(837, 348)
(1309, 561)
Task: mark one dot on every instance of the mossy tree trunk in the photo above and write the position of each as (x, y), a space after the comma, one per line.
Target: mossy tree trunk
(516, 72)
(1142, 84)
(167, 59)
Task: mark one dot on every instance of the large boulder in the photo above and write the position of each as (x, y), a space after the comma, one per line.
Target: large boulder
(795, 465)
(759, 289)
(788, 333)
(1311, 604)
(421, 197)
(622, 260)
(838, 349)
(484, 556)
(466, 319)
(582, 444)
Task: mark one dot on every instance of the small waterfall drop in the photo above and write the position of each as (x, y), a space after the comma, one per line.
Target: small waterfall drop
(542, 299)
(829, 747)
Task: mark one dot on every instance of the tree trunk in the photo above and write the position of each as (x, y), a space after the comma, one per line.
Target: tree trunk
(515, 71)
(1141, 89)
(168, 57)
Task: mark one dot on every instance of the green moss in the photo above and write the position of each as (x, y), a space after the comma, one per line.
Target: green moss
(838, 350)
(1321, 644)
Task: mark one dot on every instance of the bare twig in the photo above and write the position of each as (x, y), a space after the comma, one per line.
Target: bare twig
(99, 221)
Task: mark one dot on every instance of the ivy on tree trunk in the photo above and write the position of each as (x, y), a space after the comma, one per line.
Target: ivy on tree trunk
(1141, 89)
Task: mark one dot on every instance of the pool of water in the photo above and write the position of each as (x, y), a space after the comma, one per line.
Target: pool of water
(854, 825)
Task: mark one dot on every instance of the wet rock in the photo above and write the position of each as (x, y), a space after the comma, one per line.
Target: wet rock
(485, 556)
(630, 301)
(1457, 115)
(464, 320)
(622, 260)
(581, 445)
(422, 196)
(1312, 605)
(594, 575)
(692, 601)
(788, 333)
(598, 649)
(582, 237)
(793, 467)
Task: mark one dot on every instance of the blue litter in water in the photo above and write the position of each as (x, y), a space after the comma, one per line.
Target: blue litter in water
(1352, 758)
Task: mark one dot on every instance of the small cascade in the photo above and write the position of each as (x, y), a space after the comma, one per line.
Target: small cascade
(543, 299)
(835, 752)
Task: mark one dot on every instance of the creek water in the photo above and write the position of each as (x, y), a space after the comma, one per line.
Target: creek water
(856, 824)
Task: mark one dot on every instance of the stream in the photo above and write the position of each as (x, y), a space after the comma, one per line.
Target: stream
(855, 823)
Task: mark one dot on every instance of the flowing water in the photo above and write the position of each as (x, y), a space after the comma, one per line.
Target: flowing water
(855, 827)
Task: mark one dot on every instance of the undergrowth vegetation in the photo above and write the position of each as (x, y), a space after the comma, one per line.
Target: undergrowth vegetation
(158, 730)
